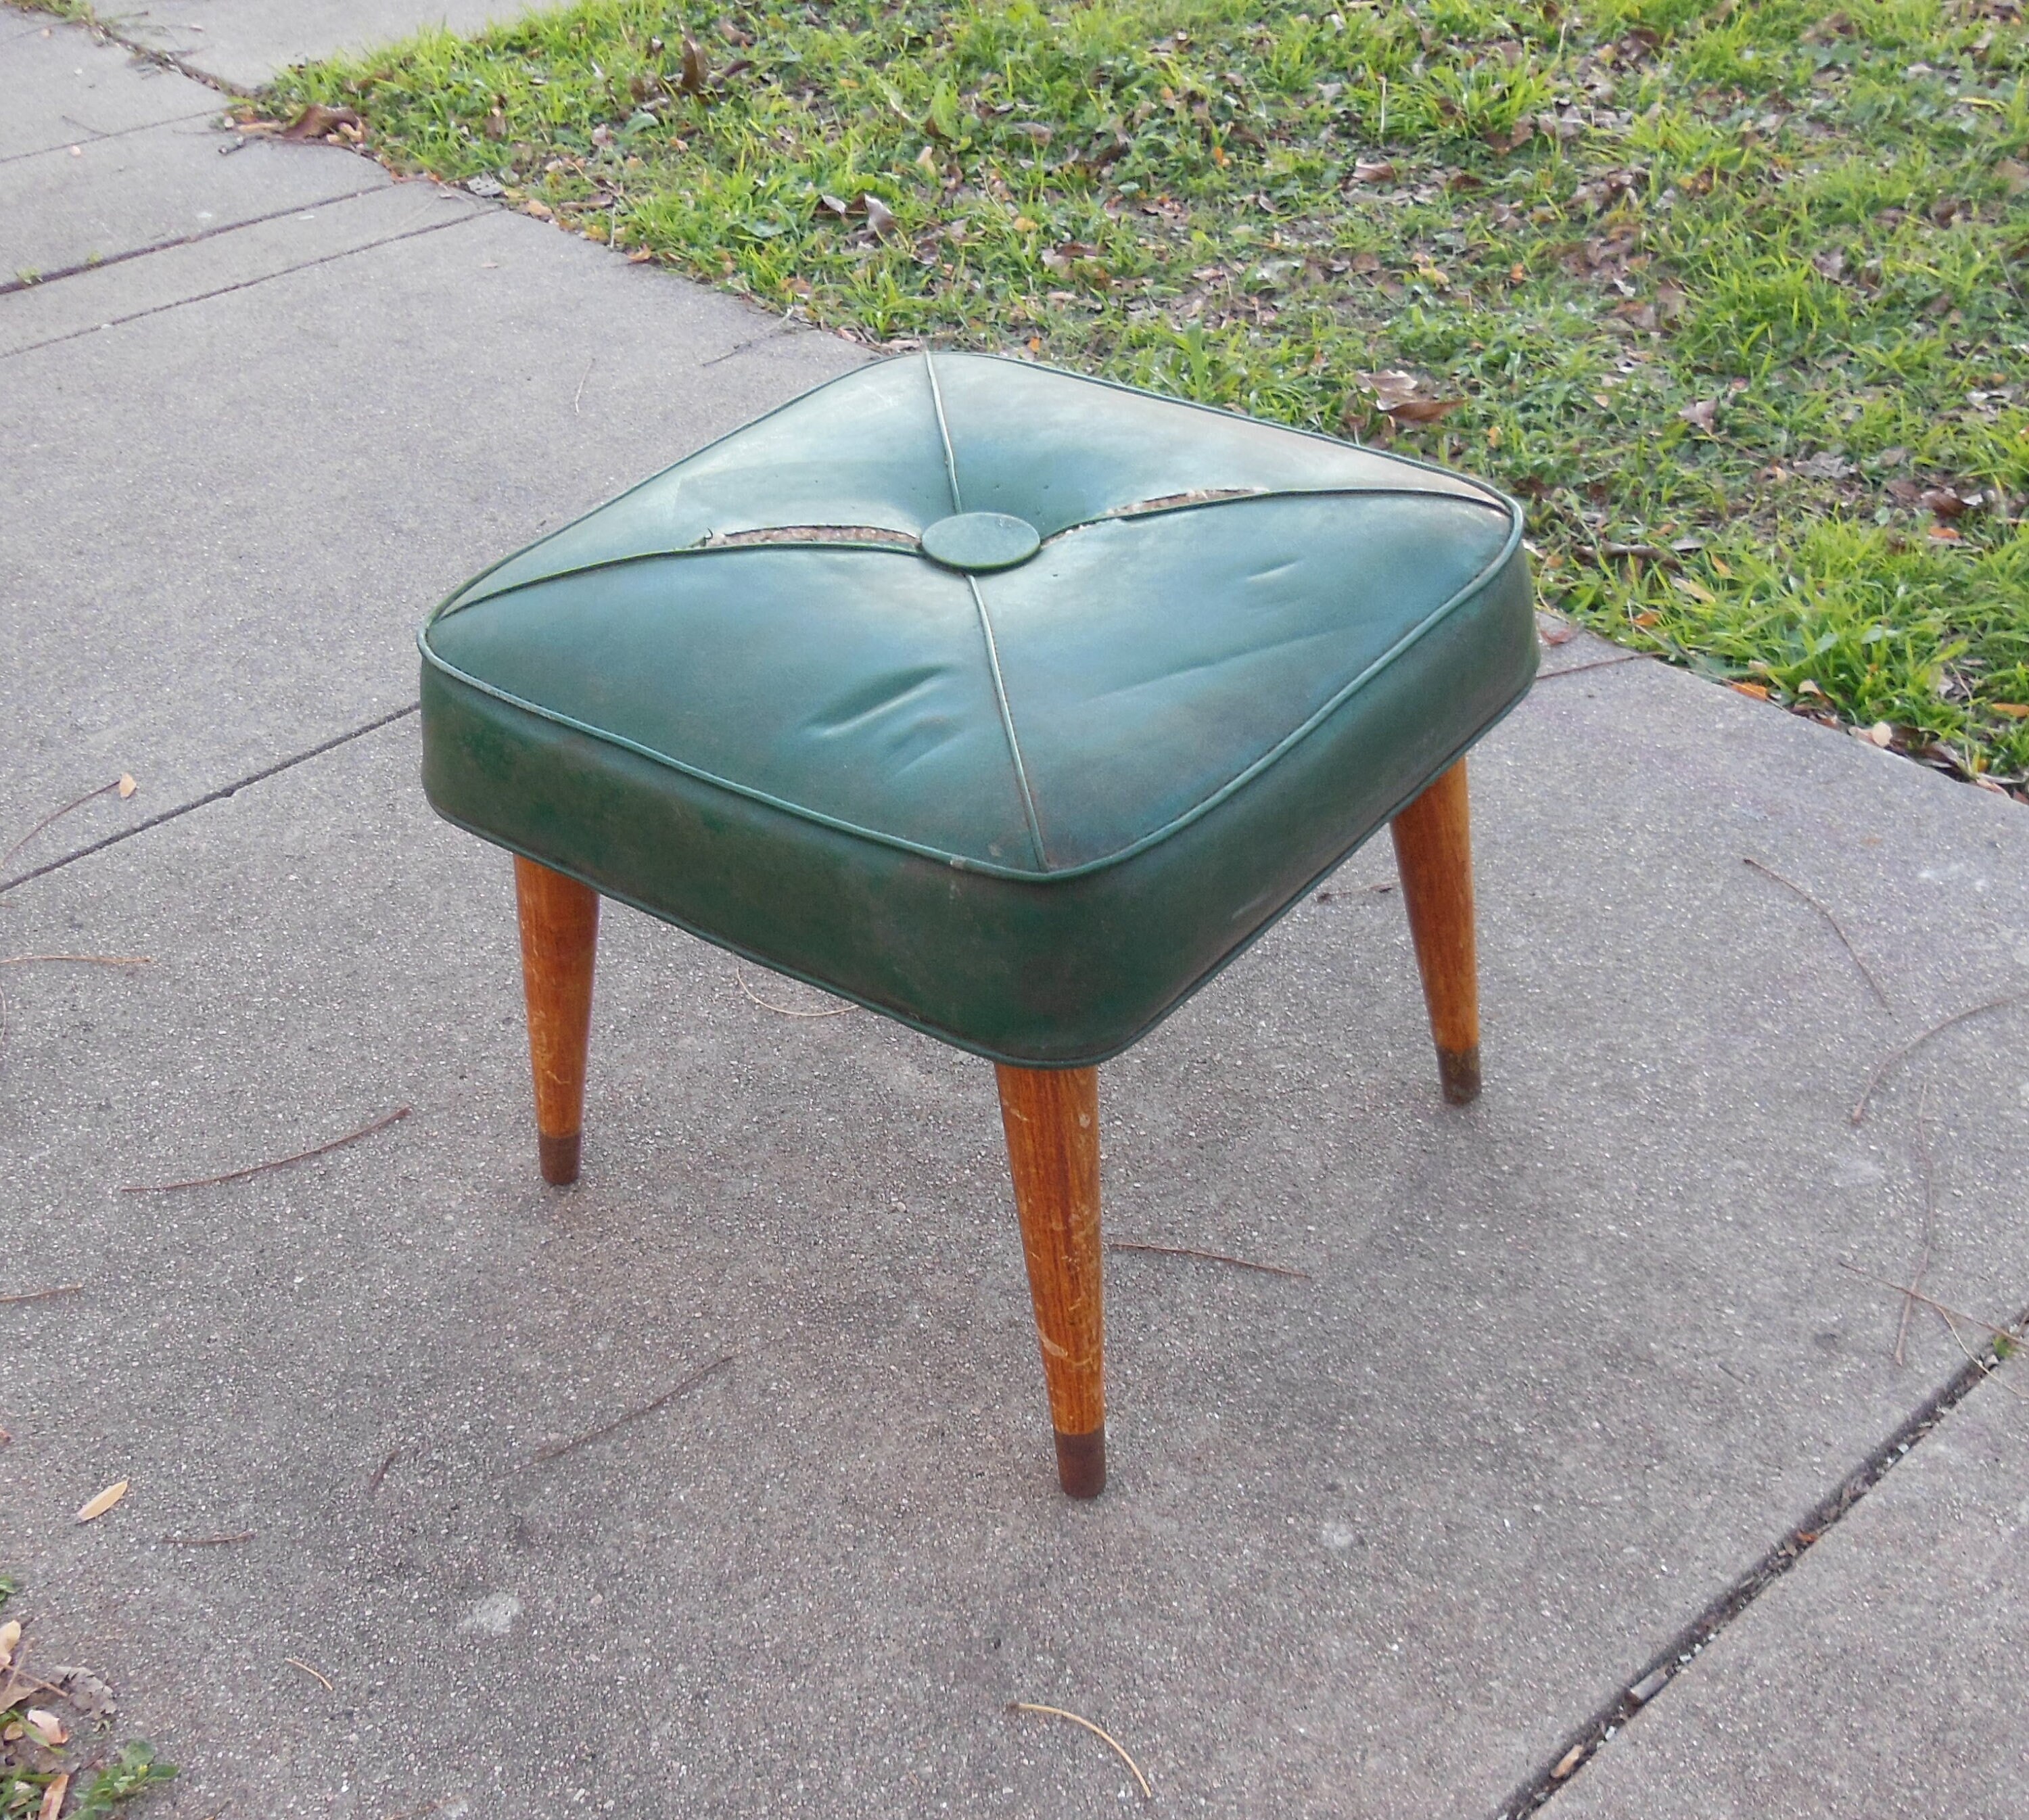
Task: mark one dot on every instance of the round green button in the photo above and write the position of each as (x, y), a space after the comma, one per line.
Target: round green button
(977, 542)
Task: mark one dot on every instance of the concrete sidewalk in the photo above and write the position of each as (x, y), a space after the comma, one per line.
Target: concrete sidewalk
(1389, 1541)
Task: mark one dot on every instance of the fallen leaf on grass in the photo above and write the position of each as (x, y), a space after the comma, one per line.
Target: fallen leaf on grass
(880, 217)
(46, 1725)
(1405, 398)
(1374, 171)
(97, 1506)
(1702, 415)
(318, 120)
(53, 1796)
(1948, 503)
(697, 73)
(2014, 710)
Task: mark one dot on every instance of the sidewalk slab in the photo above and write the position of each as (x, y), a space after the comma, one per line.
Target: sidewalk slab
(1881, 1676)
(230, 517)
(64, 88)
(1567, 1363)
(244, 43)
(234, 505)
(111, 296)
(61, 211)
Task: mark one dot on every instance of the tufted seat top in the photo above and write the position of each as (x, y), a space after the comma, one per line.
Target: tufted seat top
(1010, 703)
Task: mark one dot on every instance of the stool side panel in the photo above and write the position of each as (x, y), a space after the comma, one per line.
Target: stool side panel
(1039, 973)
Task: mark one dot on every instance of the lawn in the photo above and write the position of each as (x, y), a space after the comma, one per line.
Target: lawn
(1730, 295)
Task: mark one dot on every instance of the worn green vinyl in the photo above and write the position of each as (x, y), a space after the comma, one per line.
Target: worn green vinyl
(1008, 702)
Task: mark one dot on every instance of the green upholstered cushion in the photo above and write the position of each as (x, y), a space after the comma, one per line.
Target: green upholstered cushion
(1007, 702)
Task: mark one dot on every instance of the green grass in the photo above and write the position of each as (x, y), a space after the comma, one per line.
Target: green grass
(1811, 219)
(28, 1767)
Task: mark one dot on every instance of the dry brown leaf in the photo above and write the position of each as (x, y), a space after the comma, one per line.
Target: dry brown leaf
(53, 1796)
(1702, 415)
(2014, 710)
(318, 120)
(697, 73)
(127, 787)
(1568, 1762)
(880, 217)
(10, 1631)
(1758, 691)
(540, 210)
(97, 1506)
(1945, 502)
(46, 1725)
(1374, 171)
(1423, 411)
(1391, 389)
(496, 127)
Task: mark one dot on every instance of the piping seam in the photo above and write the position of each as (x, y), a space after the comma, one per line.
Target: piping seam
(1007, 724)
(944, 430)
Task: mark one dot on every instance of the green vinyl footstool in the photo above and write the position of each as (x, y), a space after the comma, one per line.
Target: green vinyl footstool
(1009, 703)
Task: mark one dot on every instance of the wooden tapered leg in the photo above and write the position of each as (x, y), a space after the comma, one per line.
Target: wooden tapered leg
(559, 935)
(1433, 852)
(1051, 1118)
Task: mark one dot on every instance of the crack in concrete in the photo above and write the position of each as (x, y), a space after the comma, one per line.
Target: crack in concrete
(780, 328)
(92, 136)
(41, 279)
(210, 796)
(1685, 1646)
(240, 284)
(102, 33)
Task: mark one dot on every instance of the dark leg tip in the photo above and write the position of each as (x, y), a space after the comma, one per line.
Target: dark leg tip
(1081, 1463)
(559, 1158)
(1459, 1069)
